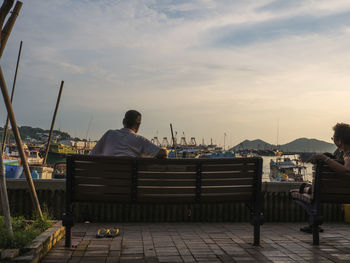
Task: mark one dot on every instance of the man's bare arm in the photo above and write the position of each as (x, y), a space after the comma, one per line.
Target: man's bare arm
(162, 154)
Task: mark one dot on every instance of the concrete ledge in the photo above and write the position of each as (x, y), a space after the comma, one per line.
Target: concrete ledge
(40, 184)
(41, 245)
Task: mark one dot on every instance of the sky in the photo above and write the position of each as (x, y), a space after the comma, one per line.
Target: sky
(275, 70)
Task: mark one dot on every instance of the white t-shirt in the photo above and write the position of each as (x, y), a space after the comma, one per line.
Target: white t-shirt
(124, 143)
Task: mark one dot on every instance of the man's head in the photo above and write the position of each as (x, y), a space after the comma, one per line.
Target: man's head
(132, 120)
(341, 135)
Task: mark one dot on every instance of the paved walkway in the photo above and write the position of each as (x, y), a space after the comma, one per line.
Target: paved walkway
(203, 242)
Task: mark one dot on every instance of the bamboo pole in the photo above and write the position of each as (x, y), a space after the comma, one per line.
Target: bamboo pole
(4, 198)
(53, 123)
(4, 10)
(12, 93)
(17, 136)
(6, 31)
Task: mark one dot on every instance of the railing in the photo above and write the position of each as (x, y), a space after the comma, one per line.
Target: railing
(278, 206)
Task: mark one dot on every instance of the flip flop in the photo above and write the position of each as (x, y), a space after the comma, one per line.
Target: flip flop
(112, 232)
(102, 232)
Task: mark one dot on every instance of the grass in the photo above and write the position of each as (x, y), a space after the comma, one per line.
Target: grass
(24, 231)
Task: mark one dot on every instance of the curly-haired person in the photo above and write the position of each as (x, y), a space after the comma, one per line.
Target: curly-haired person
(341, 138)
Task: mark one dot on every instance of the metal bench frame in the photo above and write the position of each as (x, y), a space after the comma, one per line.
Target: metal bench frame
(327, 187)
(243, 174)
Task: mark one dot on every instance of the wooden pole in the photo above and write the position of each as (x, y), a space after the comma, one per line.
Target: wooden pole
(4, 198)
(6, 31)
(16, 134)
(172, 136)
(12, 93)
(53, 123)
(4, 10)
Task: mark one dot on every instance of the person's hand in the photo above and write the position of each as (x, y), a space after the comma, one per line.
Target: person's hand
(163, 153)
(313, 159)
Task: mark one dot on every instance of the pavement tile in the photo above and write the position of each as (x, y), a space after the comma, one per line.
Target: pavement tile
(203, 242)
(75, 260)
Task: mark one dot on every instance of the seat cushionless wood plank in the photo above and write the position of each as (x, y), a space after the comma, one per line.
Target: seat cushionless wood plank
(112, 179)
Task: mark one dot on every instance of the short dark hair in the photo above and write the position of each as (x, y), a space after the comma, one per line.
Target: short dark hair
(132, 118)
(342, 133)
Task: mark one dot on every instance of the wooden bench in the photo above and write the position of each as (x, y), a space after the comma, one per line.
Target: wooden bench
(144, 181)
(328, 187)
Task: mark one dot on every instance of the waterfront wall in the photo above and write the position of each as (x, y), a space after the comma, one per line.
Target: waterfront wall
(277, 206)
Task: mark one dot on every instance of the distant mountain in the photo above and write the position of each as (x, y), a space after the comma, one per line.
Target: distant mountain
(255, 144)
(37, 133)
(308, 145)
(298, 145)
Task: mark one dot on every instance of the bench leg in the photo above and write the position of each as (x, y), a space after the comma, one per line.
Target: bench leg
(256, 235)
(68, 241)
(315, 235)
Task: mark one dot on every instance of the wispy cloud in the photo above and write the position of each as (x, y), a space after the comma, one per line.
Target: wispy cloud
(209, 66)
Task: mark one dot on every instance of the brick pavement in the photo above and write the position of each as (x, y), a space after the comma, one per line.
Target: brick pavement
(203, 242)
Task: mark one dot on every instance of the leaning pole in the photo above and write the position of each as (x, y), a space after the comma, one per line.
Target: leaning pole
(5, 33)
(53, 123)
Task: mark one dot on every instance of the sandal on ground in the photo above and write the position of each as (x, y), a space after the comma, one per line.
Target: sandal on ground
(112, 232)
(308, 229)
(102, 232)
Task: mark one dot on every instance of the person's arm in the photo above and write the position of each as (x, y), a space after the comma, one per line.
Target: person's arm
(98, 149)
(148, 149)
(333, 164)
(162, 153)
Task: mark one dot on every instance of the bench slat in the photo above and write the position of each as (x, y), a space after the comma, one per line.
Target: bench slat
(338, 190)
(227, 167)
(335, 198)
(111, 198)
(101, 160)
(335, 183)
(102, 181)
(100, 168)
(85, 188)
(239, 197)
(168, 199)
(102, 174)
(224, 190)
(166, 168)
(230, 181)
(162, 175)
(165, 190)
(228, 175)
(166, 182)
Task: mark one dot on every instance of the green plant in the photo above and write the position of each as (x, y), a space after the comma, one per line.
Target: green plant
(24, 231)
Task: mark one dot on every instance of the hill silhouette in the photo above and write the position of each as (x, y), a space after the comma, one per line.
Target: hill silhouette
(298, 145)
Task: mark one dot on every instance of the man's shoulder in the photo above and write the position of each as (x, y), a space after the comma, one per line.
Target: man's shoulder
(112, 132)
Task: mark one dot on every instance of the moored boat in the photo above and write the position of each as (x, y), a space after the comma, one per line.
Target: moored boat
(283, 169)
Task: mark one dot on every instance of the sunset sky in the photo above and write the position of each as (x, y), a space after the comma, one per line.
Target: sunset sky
(209, 67)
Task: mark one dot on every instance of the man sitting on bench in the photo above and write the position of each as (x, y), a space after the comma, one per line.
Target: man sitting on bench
(126, 143)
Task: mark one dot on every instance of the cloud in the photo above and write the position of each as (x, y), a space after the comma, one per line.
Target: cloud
(208, 66)
(270, 30)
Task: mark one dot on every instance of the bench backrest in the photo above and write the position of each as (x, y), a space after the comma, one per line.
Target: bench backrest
(330, 186)
(145, 180)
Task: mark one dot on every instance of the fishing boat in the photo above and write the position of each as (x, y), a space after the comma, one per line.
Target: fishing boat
(283, 169)
(58, 152)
